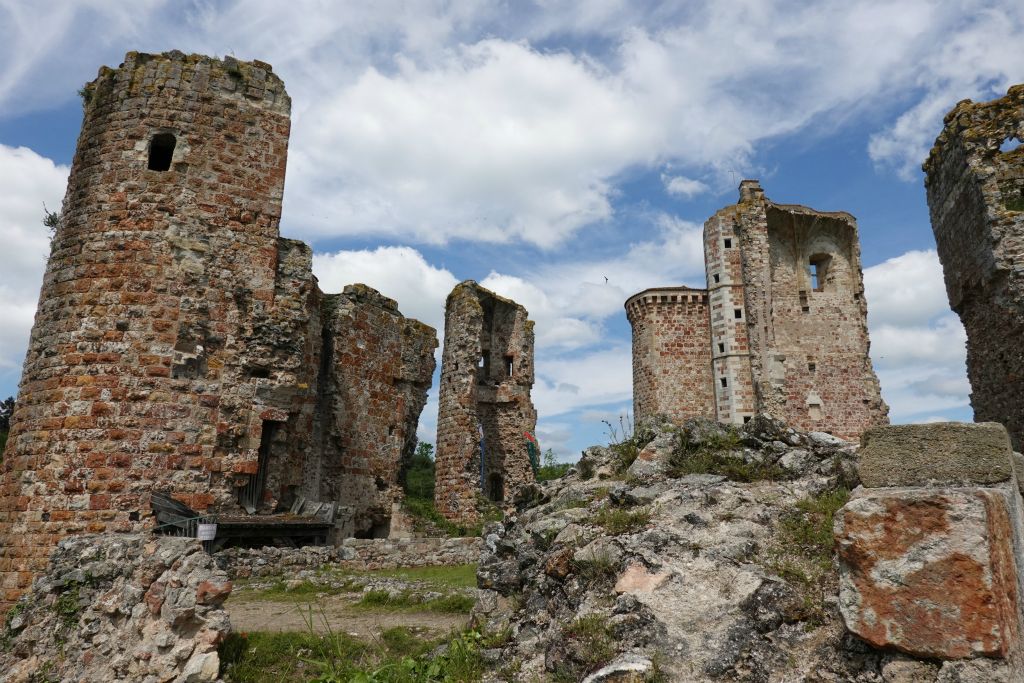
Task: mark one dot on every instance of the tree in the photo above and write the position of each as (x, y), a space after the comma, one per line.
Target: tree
(6, 410)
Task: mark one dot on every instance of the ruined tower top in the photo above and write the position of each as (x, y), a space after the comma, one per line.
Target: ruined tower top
(974, 178)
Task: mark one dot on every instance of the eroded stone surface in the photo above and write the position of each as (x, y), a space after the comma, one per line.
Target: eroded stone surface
(948, 453)
(930, 572)
(130, 607)
(974, 177)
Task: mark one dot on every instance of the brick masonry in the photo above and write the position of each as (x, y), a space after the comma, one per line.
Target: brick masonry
(486, 378)
(786, 325)
(180, 342)
(975, 187)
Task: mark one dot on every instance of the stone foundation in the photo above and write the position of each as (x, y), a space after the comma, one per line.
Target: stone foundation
(354, 553)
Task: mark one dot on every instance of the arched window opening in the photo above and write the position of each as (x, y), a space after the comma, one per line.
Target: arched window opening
(161, 151)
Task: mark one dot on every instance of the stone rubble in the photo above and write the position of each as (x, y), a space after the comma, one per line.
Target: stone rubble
(119, 607)
(701, 590)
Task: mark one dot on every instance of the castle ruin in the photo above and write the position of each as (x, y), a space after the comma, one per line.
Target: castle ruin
(781, 328)
(181, 346)
(974, 177)
(485, 416)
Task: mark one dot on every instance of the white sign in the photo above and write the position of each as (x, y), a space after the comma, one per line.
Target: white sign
(206, 532)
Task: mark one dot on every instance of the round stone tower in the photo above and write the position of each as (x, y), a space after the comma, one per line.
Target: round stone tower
(149, 366)
(671, 353)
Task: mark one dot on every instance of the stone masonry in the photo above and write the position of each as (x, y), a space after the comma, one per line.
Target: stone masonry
(784, 328)
(975, 185)
(930, 547)
(485, 412)
(181, 345)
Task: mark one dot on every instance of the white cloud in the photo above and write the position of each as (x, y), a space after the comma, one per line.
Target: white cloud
(602, 377)
(684, 187)
(30, 181)
(918, 345)
(397, 272)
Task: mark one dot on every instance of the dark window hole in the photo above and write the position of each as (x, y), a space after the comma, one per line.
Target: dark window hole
(161, 150)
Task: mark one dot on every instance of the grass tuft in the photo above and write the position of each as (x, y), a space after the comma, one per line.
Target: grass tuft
(618, 521)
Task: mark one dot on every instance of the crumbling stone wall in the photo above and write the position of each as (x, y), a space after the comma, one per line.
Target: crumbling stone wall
(381, 365)
(788, 322)
(671, 353)
(120, 607)
(484, 401)
(974, 177)
(179, 341)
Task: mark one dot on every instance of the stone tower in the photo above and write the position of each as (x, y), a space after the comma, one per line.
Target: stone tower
(671, 353)
(975, 185)
(484, 411)
(155, 361)
(785, 325)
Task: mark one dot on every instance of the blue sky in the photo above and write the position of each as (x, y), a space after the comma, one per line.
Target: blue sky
(539, 147)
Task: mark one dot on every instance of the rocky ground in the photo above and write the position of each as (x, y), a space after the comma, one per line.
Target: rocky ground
(690, 554)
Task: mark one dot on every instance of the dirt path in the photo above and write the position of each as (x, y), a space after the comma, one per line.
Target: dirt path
(336, 612)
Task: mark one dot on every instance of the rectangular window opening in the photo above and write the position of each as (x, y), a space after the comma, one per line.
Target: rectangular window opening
(717, 277)
(737, 313)
(721, 348)
(818, 268)
(724, 381)
(728, 243)
(812, 367)
(746, 419)
(509, 364)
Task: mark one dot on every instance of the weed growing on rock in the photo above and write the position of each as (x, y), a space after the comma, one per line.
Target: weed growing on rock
(617, 521)
(803, 554)
(597, 571)
(590, 645)
(713, 454)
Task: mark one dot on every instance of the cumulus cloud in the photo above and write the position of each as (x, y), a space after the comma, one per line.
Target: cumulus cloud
(684, 187)
(918, 345)
(30, 182)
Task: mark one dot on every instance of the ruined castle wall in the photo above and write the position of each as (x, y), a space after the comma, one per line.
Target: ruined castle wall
(671, 354)
(486, 375)
(975, 187)
(380, 369)
(730, 348)
(138, 375)
(806, 317)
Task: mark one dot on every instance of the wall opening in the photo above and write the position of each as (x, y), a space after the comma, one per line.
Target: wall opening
(161, 151)
(1009, 144)
(250, 495)
(721, 348)
(803, 302)
(483, 368)
(737, 313)
(811, 367)
(818, 267)
(717, 277)
(495, 487)
(724, 381)
(509, 365)
(728, 243)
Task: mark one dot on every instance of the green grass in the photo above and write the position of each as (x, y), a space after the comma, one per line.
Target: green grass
(397, 656)
(405, 601)
(618, 521)
(802, 554)
(459, 576)
(595, 647)
(713, 456)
